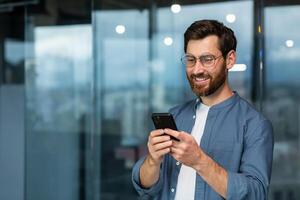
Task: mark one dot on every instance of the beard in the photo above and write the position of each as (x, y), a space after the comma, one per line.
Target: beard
(214, 84)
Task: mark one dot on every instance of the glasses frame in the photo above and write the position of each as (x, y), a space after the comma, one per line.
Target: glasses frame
(201, 60)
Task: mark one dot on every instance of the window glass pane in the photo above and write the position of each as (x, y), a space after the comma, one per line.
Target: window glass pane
(122, 51)
(282, 98)
(58, 109)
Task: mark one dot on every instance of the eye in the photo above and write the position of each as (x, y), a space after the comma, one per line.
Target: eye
(207, 58)
(190, 59)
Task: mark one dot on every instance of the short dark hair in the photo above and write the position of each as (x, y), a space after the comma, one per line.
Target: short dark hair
(203, 28)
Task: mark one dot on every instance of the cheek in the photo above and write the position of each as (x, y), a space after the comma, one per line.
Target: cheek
(218, 72)
(213, 75)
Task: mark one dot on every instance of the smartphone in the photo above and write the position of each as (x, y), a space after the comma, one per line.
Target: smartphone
(164, 120)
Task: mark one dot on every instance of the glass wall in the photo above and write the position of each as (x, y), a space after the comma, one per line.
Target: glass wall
(282, 97)
(122, 49)
(12, 112)
(61, 148)
(79, 81)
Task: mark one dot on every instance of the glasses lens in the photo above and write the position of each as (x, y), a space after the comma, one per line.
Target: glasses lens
(188, 60)
(207, 60)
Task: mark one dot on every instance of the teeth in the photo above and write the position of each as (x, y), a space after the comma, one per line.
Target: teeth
(200, 79)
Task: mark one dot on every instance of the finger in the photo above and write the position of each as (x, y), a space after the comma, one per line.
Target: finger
(163, 152)
(176, 144)
(176, 151)
(162, 145)
(179, 135)
(157, 132)
(159, 139)
(175, 154)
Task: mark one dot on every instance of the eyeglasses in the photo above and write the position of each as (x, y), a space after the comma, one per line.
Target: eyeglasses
(207, 61)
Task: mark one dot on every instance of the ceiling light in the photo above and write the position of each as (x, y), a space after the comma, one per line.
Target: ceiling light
(175, 8)
(120, 29)
(238, 68)
(230, 18)
(168, 41)
(289, 43)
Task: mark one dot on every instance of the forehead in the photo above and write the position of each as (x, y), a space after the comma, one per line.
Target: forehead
(209, 44)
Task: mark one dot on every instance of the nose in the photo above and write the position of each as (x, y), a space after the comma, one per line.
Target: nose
(198, 67)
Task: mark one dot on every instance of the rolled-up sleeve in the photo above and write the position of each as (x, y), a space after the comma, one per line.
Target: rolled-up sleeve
(253, 179)
(145, 193)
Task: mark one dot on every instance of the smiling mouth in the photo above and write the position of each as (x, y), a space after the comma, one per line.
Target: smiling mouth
(201, 80)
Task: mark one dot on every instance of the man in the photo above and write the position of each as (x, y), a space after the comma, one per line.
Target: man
(226, 146)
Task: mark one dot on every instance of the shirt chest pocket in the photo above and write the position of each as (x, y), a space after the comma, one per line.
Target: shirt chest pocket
(227, 154)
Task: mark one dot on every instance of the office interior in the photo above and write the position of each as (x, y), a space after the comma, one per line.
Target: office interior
(79, 80)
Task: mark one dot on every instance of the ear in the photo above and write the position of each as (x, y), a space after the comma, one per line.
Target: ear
(230, 59)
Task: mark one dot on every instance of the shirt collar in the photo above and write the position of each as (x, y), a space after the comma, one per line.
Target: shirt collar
(222, 104)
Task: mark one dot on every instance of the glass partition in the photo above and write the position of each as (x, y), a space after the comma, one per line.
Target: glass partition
(122, 49)
(59, 104)
(282, 98)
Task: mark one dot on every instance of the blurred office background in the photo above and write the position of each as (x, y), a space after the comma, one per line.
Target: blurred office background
(79, 80)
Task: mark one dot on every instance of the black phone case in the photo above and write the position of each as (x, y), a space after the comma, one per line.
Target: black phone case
(164, 120)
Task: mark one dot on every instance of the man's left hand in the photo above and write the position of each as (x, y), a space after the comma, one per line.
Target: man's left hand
(187, 150)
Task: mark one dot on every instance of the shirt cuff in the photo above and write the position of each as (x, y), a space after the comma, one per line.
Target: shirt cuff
(236, 186)
(144, 192)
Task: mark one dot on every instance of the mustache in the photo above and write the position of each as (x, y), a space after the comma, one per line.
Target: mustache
(200, 75)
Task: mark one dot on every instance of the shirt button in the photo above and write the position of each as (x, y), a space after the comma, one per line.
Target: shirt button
(177, 163)
(172, 189)
(194, 116)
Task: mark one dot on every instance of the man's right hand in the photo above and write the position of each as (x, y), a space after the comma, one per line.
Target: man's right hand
(159, 144)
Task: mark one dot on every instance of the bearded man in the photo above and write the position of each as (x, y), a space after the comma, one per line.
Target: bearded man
(225, 146)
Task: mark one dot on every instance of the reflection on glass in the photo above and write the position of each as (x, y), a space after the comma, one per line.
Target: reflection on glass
(58, 79)
(62, 69)
(13, 66)
(123, 63)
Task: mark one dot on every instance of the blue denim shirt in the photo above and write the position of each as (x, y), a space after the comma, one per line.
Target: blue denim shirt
(237, 137)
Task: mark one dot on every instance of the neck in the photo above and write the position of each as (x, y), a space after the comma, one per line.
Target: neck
(222, 93)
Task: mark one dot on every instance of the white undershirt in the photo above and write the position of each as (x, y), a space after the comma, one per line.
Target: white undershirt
(185, 189)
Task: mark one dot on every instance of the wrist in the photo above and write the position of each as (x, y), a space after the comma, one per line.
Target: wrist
(152, 162)
(202, 163)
